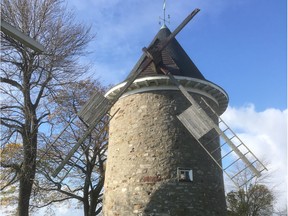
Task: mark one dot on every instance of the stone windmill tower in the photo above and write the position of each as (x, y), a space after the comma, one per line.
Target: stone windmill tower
(149, 149)
(155, 166)
(166, 137)
(161, 156)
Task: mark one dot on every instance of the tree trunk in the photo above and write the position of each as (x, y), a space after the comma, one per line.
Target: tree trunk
(28, 169)
(86, 190)
(27, 178)
(25, 188)
(94, 198)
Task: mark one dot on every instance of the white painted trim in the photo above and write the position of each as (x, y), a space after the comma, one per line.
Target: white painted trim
(193, 85)
(179, 78)
(205, 88)
(169, 88)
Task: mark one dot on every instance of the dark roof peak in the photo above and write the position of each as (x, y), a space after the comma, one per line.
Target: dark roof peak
(173, 57)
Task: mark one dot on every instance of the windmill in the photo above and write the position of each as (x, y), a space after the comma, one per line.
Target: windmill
(98, 106)
(201, 120)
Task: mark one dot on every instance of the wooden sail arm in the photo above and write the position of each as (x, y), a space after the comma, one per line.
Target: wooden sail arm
(141, 65)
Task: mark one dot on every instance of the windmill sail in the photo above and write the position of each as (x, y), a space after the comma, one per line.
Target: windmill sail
(199, 123)
(100, 131)
(95, 107)
(93, 112)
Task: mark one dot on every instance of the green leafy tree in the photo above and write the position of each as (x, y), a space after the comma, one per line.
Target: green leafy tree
(256, 201)
(254, 198)
(28, 78)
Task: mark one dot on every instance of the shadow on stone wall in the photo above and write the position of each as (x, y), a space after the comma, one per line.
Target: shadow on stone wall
(175, 199)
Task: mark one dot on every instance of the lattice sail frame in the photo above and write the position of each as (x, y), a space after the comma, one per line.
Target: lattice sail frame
(103, 105)
(98, 106)
(199, 123)
(92, 113)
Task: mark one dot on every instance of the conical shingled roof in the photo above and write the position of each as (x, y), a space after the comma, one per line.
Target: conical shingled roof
(174, 58)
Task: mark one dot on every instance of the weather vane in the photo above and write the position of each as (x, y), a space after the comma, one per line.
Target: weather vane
(164, 15)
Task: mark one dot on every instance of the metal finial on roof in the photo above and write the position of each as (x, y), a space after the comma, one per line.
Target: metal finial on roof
(164, 16)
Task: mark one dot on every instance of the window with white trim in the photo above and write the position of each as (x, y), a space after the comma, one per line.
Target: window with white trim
(184, 174)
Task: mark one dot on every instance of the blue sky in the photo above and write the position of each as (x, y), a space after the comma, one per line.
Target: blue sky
(239, 45)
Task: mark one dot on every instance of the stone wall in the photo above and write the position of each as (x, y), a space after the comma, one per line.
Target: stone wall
(147, 143)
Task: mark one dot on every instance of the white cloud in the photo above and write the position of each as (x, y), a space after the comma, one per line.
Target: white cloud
(265, 133)
(123, 28)
(72, 209)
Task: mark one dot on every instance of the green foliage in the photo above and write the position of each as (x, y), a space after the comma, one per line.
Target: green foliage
(256, 201)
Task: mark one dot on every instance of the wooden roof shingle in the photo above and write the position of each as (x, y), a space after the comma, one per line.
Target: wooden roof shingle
(174, 58)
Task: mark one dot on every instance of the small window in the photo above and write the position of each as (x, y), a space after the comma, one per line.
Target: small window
(184, 175)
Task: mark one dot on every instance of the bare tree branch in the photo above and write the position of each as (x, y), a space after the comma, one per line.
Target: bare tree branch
(29, 78)
(9, 183)
(11, 82)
